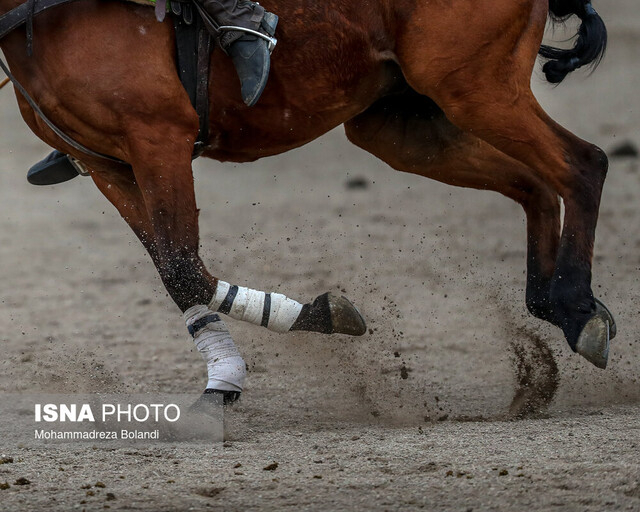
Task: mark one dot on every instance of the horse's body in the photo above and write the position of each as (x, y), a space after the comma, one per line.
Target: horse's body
(437, 88)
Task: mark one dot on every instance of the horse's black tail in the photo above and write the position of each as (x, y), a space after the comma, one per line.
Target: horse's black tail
(590, 44)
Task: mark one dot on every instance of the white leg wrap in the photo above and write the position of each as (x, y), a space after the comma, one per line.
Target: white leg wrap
(271, 310)
(225, 366)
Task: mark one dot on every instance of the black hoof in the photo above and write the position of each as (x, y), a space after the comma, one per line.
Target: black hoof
(55, 168)
(214, 398)
(604, 311)
(593, 342)
(330, 314)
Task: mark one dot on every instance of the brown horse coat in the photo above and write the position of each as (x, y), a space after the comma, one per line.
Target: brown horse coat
(433, 87)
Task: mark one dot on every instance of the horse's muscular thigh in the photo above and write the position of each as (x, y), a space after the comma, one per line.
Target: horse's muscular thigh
(447, 51)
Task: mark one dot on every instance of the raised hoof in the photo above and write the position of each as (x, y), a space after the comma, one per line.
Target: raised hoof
(330, 314)
(602, 310)
(345, 317)
(214, 398)
(593, 343)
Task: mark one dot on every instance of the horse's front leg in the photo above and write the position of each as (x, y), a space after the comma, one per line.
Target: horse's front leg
(176, 262)
(164, 181)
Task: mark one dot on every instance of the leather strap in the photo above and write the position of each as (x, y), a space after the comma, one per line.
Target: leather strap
(161, 9)
(17, 16)
(193, 45)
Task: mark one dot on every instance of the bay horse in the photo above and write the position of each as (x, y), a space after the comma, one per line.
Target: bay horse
(435, 88)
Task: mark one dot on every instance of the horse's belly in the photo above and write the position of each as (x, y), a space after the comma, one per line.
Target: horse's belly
(293, 110)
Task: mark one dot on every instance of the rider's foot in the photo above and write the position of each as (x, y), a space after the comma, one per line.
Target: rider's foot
(55, 168)
(251, 57)
(232, 23)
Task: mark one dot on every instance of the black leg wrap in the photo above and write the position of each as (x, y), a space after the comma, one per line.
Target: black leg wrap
(214, 398)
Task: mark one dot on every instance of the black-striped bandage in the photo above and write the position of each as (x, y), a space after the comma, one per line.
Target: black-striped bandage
(274, 311)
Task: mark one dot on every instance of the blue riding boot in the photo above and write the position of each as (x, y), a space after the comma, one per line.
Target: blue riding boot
(55, 168)
(251, 56)
(245, 32)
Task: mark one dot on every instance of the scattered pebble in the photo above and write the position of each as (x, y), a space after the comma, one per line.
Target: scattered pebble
(111, 496)
(6, 460)
(22, 481)
(624, 149)
(100, 484)
(271, 467)
(210, 492)
(357, 183)
(4, 485)
(503, 472)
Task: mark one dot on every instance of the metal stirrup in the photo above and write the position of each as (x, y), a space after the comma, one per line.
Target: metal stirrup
(271, 40)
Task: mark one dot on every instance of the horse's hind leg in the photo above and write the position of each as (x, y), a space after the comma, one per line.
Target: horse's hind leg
(488, 94)
(411, 134)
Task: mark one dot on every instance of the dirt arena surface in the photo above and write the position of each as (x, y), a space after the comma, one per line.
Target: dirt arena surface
(457, 399)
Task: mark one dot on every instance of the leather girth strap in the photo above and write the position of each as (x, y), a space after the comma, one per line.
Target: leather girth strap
(193, 48)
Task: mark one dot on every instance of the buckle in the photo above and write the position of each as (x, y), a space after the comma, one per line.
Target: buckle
(79, 166)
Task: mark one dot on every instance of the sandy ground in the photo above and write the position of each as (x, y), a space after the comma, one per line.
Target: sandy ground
(438, 273)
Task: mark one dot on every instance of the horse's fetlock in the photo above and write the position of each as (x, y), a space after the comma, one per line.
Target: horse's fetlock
(600, 159)
(594, 163)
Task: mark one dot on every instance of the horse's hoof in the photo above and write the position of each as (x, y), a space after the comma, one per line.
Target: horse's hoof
(593, 343)
(330, 314)
(601, 309)
(214, 398)
(345, 317)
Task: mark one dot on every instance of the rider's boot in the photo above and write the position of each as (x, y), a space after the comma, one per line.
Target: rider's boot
(55, 168)
(245, 33)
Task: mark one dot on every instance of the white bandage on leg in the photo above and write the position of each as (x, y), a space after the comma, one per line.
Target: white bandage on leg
(225, 366)
(271, 310)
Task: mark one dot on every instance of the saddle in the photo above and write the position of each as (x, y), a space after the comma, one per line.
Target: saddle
(193, 48)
